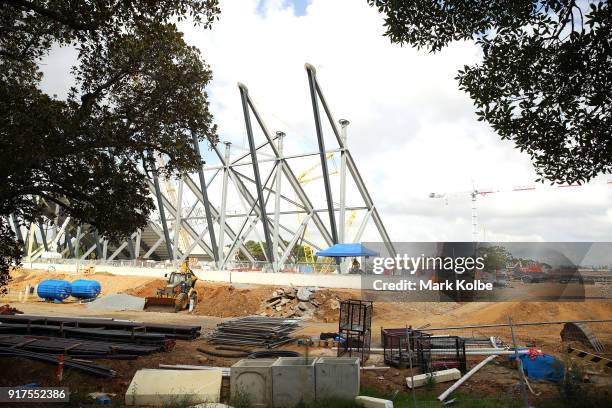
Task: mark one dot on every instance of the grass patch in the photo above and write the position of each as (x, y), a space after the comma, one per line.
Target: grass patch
(329, 403)
(184, 401)
(426, 398)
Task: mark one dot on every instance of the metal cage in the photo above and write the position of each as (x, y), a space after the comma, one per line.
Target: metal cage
(355, 328)
(396, 349)
(437, 353)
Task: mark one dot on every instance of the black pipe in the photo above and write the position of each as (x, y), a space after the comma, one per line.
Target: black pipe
(222, 355)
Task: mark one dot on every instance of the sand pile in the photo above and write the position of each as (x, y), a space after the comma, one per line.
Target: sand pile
(228, 301)
(219, 300)
(22, 277)
(484, 313)
(148, 288)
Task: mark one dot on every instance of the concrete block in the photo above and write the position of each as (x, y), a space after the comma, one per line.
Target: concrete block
(439, 376)
(293, 380)
(253, 380)
(337, 377)
(166, 387)
(371, 402)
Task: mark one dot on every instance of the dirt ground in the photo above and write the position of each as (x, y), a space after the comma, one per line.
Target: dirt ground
(218, 302)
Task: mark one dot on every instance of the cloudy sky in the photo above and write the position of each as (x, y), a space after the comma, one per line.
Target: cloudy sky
(412, 131)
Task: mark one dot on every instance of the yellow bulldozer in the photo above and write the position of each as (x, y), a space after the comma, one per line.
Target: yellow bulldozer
(178, 294)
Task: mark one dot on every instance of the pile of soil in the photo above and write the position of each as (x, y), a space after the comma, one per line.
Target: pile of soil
(229, 301)
(219, 300)
(148, 288)
(490, 313)
(22, 277)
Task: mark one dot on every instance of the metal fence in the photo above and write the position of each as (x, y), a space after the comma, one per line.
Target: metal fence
(571, 391)
(546, 335)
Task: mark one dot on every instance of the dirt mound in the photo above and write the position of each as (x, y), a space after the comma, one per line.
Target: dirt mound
(22, 277)
(214, 299)
(229, 301)
(484, 313)
(147, 289)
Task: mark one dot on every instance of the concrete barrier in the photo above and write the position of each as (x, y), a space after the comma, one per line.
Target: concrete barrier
(161, 388)
(437, 377)
(337, 377)
(293, 381)
(252, 379)
(371, 402)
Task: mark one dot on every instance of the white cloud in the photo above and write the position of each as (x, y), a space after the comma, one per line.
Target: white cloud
(412, 131)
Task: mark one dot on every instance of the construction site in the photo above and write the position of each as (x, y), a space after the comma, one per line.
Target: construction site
(245, 290)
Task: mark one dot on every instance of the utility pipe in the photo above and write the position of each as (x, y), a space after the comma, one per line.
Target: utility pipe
(463, 379)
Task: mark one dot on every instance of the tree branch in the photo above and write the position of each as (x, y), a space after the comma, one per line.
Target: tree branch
(89, 97)
(51, 14)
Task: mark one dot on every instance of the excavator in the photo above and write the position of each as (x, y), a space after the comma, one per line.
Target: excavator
(178, 294)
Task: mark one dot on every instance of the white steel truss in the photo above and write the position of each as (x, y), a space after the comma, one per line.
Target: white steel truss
(192, 222)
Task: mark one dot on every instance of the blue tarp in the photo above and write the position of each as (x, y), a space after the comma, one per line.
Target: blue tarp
(346, 250)
(542, 367)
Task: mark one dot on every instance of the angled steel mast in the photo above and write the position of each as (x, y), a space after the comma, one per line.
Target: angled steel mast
(312, 82)
(244, 95)
(350, 162)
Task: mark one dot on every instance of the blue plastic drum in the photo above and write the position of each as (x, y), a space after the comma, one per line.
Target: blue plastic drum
(85, 289)
(53, 289)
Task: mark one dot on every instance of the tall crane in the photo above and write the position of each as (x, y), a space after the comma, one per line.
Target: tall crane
(475, 193)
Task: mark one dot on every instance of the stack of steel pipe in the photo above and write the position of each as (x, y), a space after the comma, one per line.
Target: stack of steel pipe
(258, 331)
(99, 329)
(74, 347)
(45, 338)
(98, 334)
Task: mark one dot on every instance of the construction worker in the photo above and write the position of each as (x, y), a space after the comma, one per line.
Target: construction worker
(355, 266)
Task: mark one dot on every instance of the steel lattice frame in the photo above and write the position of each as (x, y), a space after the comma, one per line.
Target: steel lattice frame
(178, 232)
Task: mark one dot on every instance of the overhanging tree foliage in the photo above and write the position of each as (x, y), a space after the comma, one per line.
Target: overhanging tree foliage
(496, 257)
(545, 81)
(138, 96)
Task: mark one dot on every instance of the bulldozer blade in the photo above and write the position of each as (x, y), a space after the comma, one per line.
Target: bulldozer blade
(165, 304)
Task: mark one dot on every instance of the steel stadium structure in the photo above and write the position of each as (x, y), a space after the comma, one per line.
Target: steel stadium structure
(196, 215)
